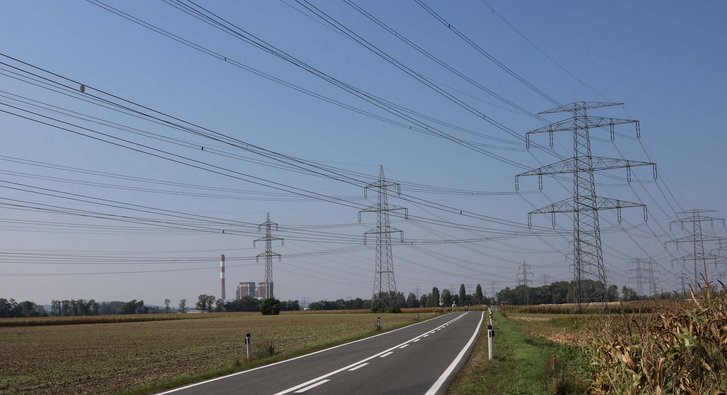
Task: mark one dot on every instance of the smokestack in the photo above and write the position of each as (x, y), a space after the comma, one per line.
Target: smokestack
(222, 275)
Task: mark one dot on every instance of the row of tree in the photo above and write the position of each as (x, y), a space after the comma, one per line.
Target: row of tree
(563, 292)
(10, 308)
(433, 299)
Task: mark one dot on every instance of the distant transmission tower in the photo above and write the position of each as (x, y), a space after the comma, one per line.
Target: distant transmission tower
(268, 254)
(650, 263)
(384, 294)
(545, 280)
(638, 275)
(721, 250)
(584, 204)
(522, 279)
(644, 273)
(697, 238)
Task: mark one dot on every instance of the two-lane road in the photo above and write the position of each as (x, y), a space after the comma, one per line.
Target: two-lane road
(417, 359)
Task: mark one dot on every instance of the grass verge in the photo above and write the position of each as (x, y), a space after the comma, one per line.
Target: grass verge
(522, 364)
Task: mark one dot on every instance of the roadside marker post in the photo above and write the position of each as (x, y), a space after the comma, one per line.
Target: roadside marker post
(248, 346)
(490, 335)
(378, 323)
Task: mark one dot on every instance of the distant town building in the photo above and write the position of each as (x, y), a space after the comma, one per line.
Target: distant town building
(246, 289)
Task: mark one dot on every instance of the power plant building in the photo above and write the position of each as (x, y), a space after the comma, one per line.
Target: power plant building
(261, 291)
(246, 289)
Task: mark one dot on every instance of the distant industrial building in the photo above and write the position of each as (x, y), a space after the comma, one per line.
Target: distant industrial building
(246, 289)
(262, 288)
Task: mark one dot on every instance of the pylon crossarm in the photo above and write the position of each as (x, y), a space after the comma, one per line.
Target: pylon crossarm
(690, 239)
(580, 105)
(603, 163)
(267, 254)
(698, 257)
(598, 163)
(610, 204)
(560, 167)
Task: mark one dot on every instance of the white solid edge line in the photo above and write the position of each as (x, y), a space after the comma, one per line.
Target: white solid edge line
(314, 380)
(310, 387)
(293, 359)
(437, 384)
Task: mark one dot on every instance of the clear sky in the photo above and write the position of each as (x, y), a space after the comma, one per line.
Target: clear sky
(665, 60)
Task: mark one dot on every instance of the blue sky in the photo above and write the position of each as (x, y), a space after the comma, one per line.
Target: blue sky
(664, 60)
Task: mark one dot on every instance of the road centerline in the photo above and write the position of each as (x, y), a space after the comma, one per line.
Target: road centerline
(310, 387)
(355, 368)
(317, 379)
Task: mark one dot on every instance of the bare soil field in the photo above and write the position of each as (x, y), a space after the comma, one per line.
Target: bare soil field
(112, 357)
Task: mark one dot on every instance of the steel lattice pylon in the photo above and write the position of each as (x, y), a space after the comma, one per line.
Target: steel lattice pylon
(697, 238)
(584, 204)
(384, 291)
(641, 264)
(268, 254)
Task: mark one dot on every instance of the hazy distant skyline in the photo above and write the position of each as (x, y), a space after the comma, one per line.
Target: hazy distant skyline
(664, 60)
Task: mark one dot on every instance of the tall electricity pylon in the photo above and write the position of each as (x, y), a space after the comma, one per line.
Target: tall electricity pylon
(524, 280)
(384, 294)
(268, 254)
(584, 204)
(697, 238)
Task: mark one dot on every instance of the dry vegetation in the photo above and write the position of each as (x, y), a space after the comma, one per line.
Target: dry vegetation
(636, 306)
(677, 349)
(112, 356)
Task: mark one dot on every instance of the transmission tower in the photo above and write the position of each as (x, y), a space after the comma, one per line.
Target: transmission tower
(721, 250)
(697, 238)
(650, 263)
(584, 204)
(523, 279)
(545, 280)
(644, 273)
(638, 275)
(268, 254)
(384, 293)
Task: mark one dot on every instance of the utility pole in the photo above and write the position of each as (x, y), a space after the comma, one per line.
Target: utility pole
(584, 204)
(268, 254)
(384, 294)
(697, 238)
(523, 279)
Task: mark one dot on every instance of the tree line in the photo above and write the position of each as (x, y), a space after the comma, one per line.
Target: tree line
(432, 299)
(10, 308)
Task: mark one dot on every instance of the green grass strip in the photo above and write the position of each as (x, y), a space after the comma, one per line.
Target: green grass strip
(522, 364)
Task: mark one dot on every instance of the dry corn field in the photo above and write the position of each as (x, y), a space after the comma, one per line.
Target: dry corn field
(680, 349)
(108, 357)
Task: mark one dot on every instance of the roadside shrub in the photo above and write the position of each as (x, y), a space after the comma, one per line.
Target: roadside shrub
(679, 349)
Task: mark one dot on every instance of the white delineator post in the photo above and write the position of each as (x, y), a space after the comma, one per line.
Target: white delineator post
(248, 346)
(222, 275)
(490, 335)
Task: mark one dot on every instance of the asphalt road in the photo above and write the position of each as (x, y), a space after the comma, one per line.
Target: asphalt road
(421, 358)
